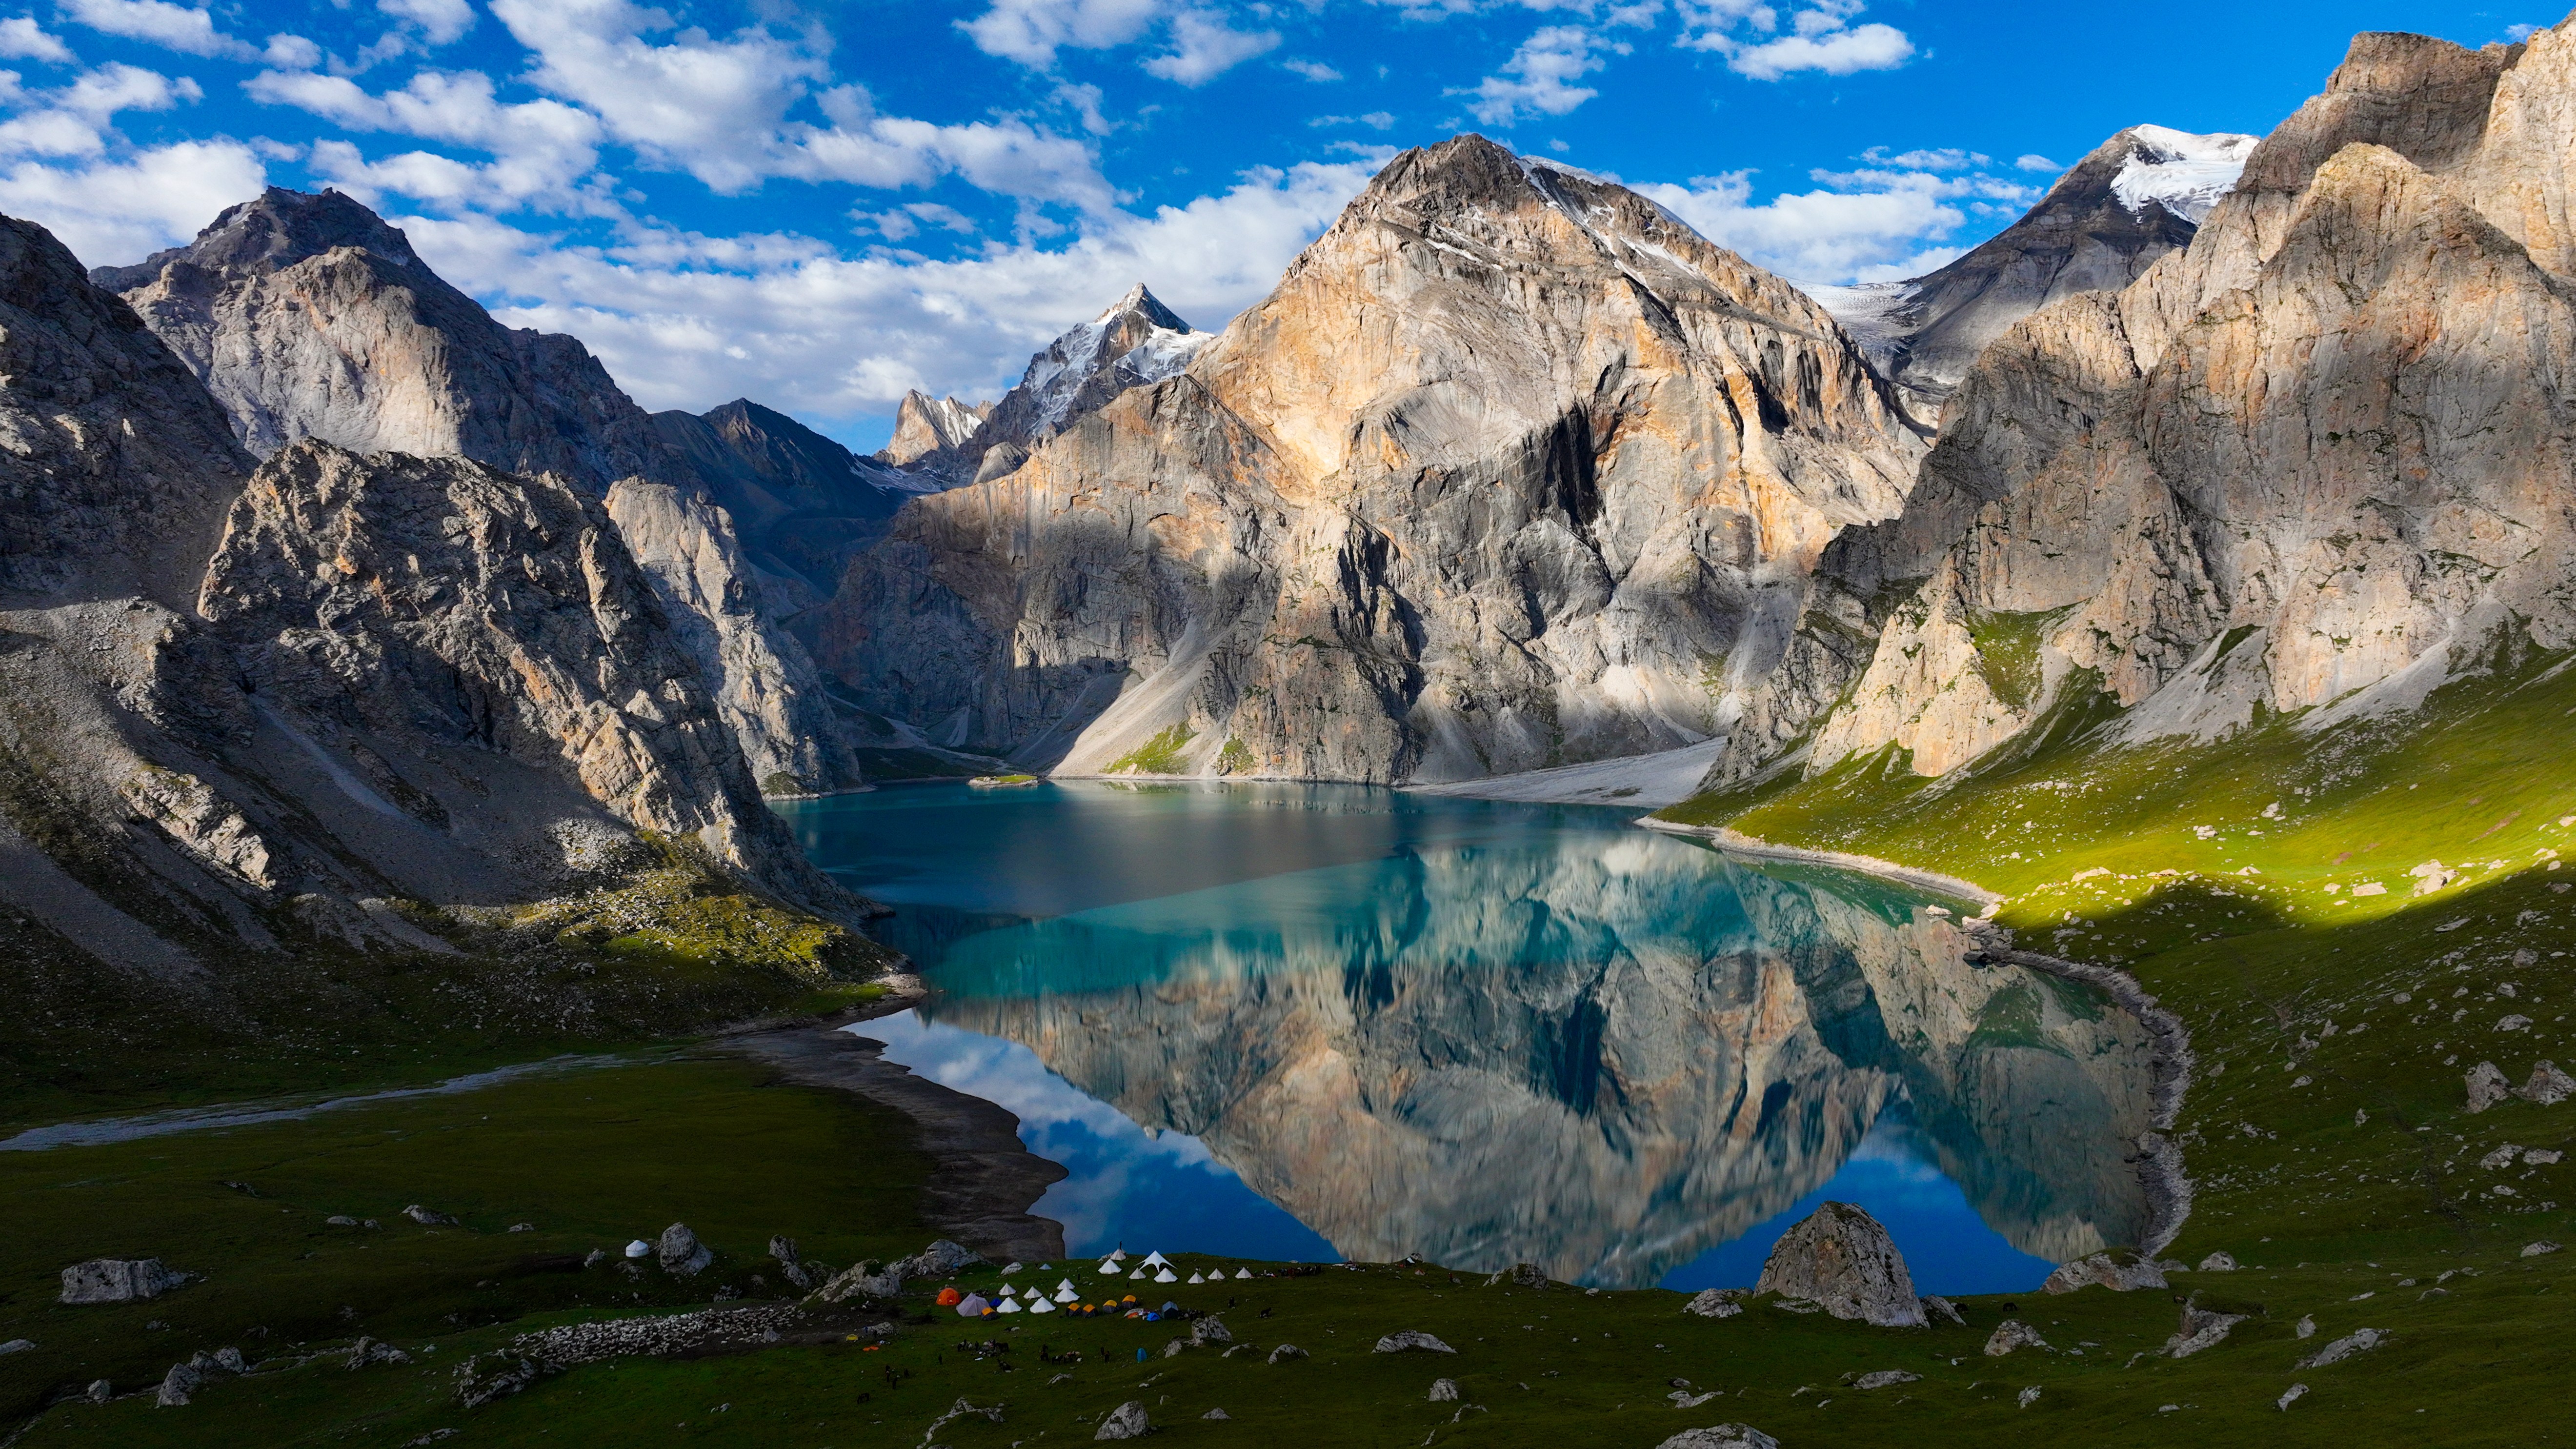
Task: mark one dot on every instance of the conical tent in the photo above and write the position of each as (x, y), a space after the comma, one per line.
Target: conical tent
(1064, 1294)
(1167, 1276)
(1040, 1305)
(1010, 1305)
(1198, 1277)
(1139, 1273)
(1110, 1265)
(1243, 1272)
(973, 1306)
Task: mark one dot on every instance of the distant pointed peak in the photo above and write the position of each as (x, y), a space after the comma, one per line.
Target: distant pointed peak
(1145, 304)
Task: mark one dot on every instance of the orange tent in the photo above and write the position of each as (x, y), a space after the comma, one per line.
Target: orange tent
(950, 1297)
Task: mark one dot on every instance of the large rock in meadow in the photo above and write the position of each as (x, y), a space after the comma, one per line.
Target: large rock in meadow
(1840, 1257)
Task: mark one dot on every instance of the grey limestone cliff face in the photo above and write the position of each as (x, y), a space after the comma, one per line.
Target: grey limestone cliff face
(802, 504)
(1680, 1050)
(476, 606)
(2318, 460)
(307, 316)
(763, 684)
(1511, 470)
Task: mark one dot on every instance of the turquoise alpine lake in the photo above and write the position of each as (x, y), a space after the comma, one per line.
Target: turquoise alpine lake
(1308, 1022)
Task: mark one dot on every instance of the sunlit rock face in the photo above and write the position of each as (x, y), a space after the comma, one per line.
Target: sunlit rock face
(2318, 460)
(1511, 470)
(1603, 1060)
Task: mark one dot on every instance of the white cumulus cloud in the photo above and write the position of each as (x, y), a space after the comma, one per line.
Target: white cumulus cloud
(24, 39)
(1204, 47)
(1878, 223)
(114, 212)
(1820, 38)
(158, 22)
(831, 337)
(441, 22)
(1539, 78)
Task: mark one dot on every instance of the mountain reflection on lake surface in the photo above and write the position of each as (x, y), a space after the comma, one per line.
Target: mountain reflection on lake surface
(1488, 1033)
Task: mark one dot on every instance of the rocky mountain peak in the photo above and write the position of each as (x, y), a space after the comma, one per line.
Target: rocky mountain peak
(273, 232)
(1144, 306)
(2423, 98)
(2136, 197)
(1134, 342)
(924, 425)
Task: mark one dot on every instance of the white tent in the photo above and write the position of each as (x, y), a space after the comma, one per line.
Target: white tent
(1198, 1278)
(1118, 1255)
(1157, 1260)
(1040, 1305)
(1166, 1276)
(973, 1306)
(1243, 1272)
(1064, 1292)
(1139, 1273)
(1010, 1305)
(1110, 1267)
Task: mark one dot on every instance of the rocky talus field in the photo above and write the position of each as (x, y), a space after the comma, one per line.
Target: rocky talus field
(397, 933)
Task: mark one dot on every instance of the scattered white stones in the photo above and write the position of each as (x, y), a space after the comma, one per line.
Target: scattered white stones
(2514, 1022)
(2221, 1261)
(2501, 1158)
(2359, 1341)
(1285, 1353)
(2011, 1334)
(2030, 1396)
(1444, 1391)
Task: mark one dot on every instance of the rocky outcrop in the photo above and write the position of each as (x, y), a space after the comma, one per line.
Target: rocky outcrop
(1689, 1046)
(308, 317)
(117, 1280)
(2138, 196)
(1511, 470)
(439, 597)
(1840, 1257)
(2316, 461)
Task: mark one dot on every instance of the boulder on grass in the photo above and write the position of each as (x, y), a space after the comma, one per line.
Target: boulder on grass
(2120, 1271)
(1127, 1421)
(1842, 1259)
(118, 1280)
(1721, 1436)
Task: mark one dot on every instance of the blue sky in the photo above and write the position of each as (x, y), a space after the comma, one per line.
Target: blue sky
(820, 205)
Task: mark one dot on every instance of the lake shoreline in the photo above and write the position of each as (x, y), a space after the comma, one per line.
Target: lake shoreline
(983, 1178)
(2160, 1166)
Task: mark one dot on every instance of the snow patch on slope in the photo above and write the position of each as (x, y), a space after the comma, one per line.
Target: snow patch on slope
(2184, 172)
(1874, 313)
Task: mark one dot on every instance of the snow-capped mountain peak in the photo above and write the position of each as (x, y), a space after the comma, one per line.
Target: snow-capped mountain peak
(2184, 172)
